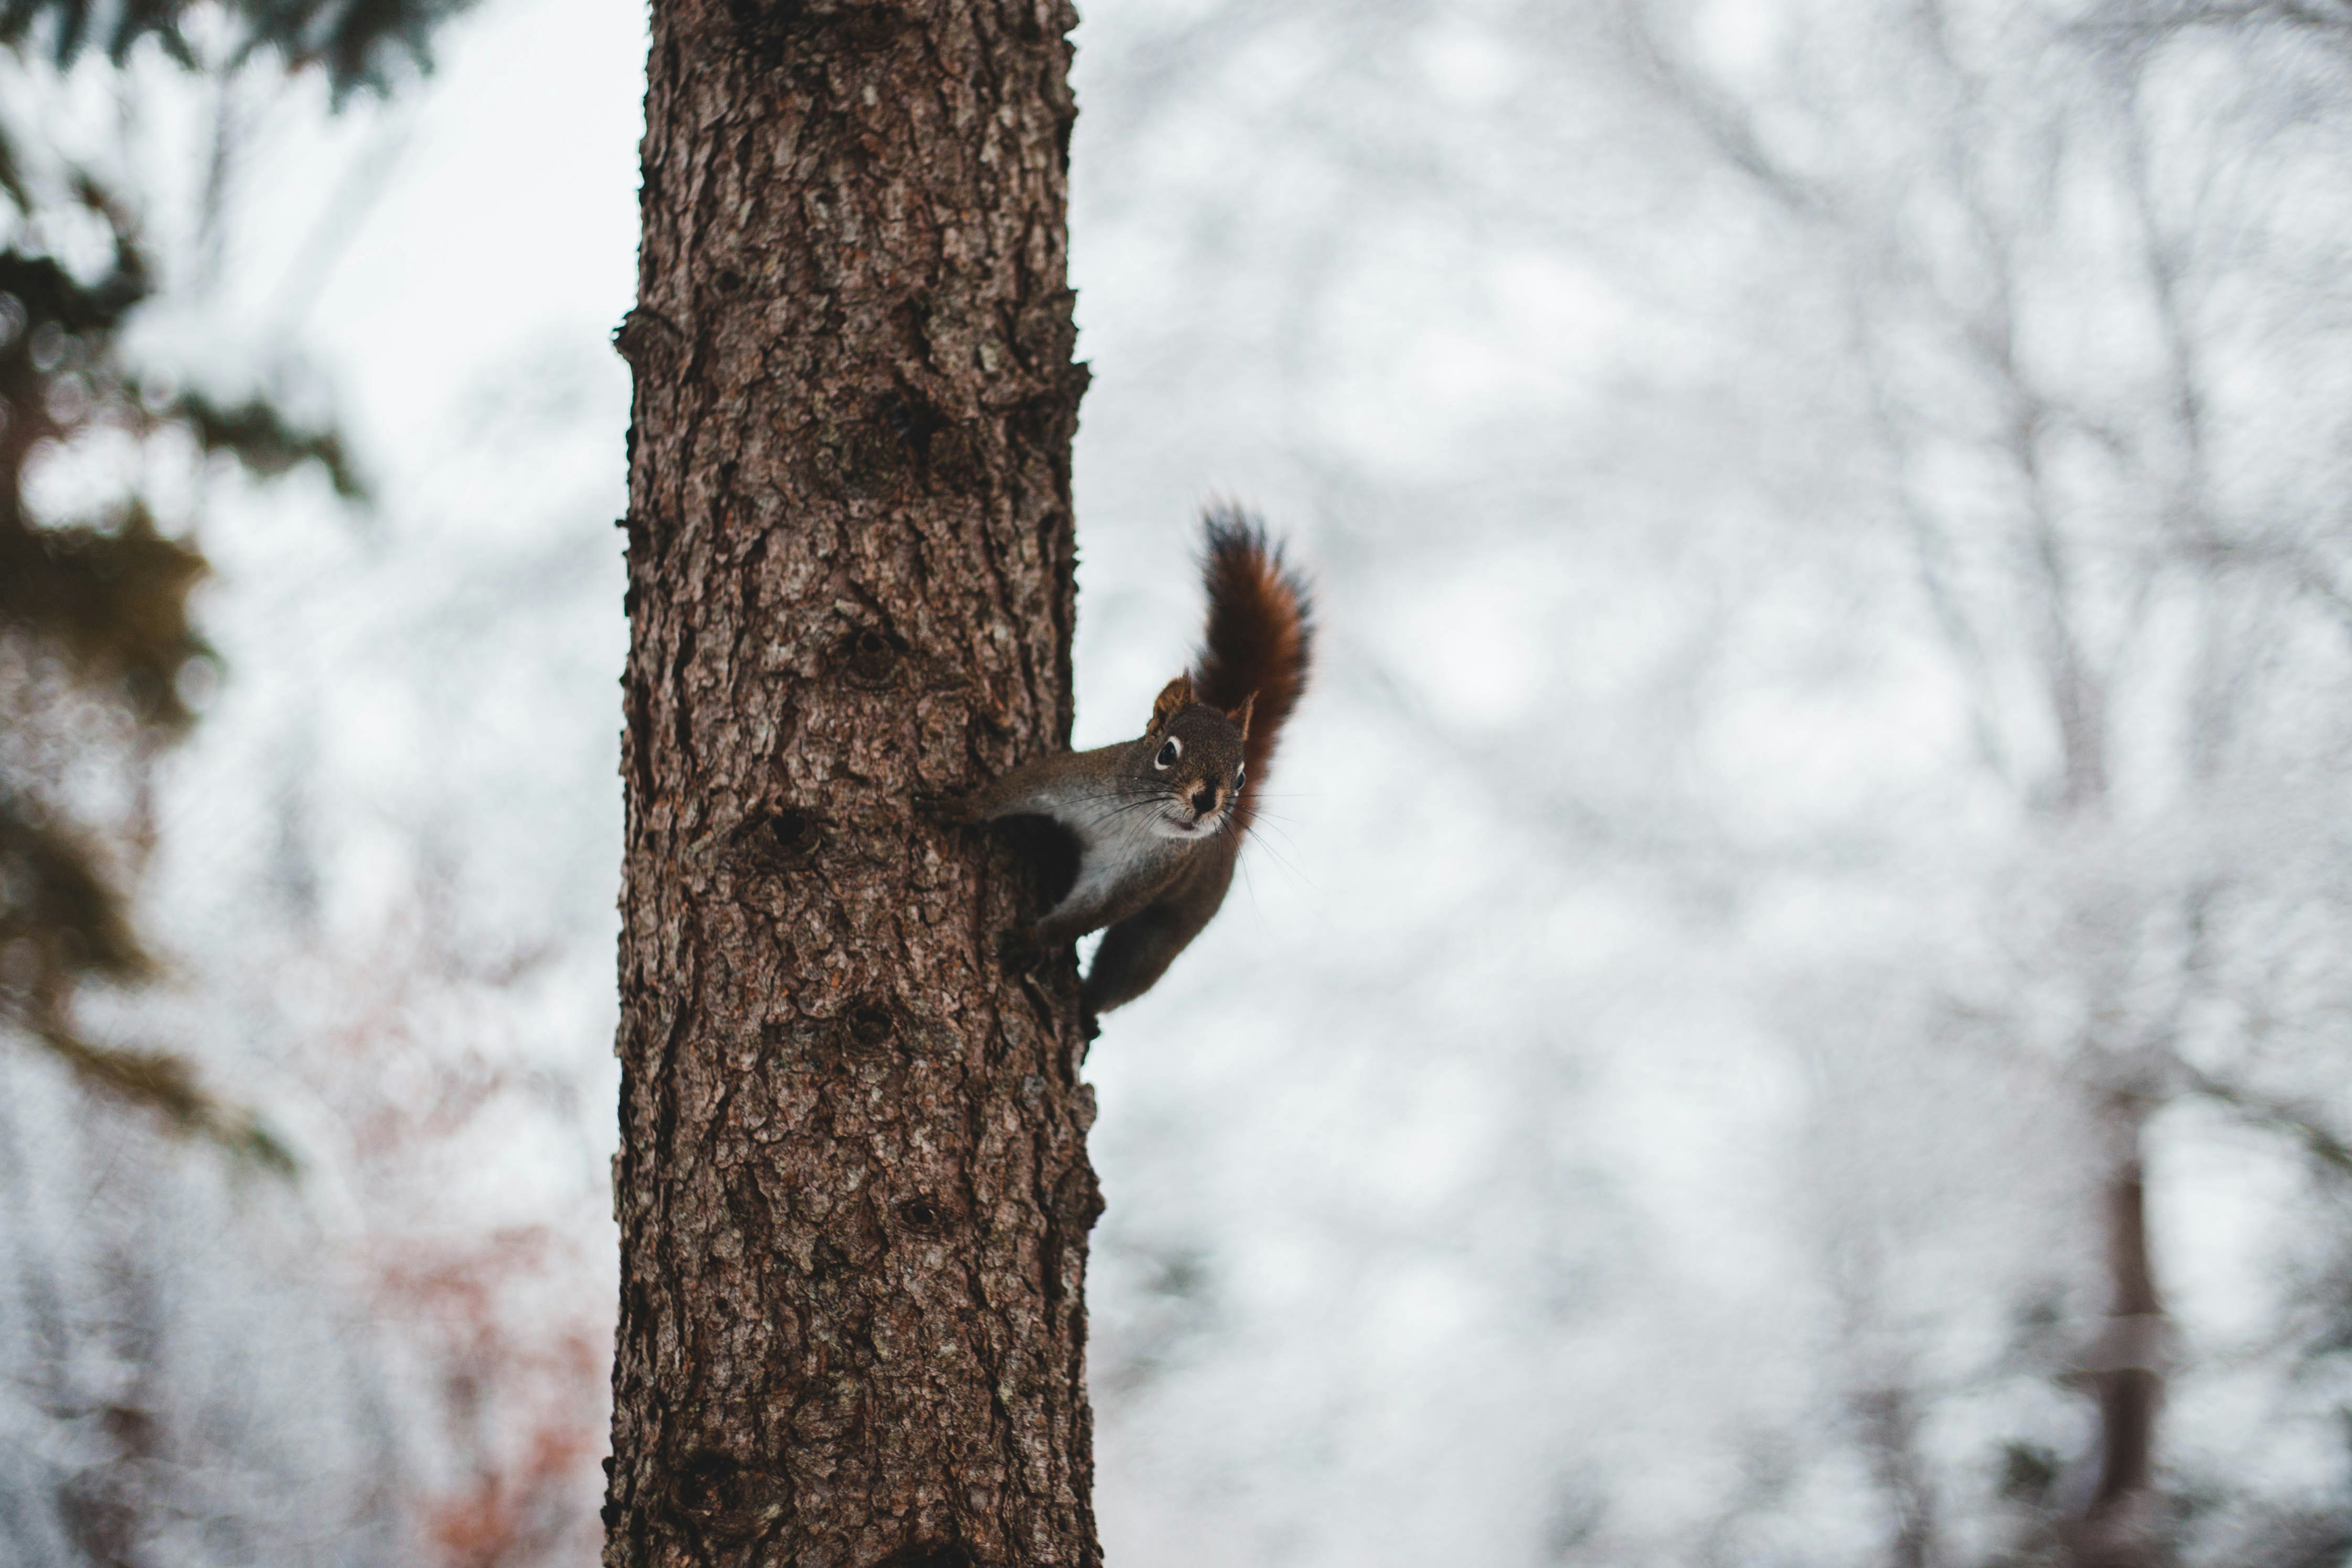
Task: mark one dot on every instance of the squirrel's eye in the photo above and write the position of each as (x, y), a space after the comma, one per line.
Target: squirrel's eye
(1238, 771)
(1168, 754)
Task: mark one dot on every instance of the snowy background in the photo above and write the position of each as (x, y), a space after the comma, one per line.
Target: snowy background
(1826, 523)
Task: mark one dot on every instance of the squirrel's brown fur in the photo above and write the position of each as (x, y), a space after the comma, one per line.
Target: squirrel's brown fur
(1260, 640)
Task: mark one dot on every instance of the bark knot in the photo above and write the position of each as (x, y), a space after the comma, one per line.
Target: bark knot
(784, 839)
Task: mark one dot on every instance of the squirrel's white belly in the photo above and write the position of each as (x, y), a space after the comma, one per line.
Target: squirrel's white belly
(1117, 838)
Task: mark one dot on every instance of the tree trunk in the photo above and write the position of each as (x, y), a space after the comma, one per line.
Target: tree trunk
(853, 1187)
(2119, 1526)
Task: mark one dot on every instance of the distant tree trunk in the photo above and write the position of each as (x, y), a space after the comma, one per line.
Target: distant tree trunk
(2118, 1527)
(852, 1189)
(1889, 1417)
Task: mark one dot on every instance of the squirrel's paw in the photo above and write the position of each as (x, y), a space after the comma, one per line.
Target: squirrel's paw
(1018, 949)
(953, 810)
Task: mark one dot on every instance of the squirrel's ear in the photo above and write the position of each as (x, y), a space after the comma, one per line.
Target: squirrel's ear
(1173, 698)
(1241, 716)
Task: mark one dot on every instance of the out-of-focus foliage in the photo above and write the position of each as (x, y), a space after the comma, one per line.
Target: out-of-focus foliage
(187, 1370)
(93, 604)
(356, 42)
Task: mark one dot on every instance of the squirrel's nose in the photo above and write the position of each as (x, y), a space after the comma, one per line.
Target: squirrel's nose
(1204, 799)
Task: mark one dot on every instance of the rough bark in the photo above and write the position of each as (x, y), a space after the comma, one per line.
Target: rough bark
(852, 1189)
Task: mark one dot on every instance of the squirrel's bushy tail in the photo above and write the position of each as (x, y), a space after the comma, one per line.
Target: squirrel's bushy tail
(1260, 639)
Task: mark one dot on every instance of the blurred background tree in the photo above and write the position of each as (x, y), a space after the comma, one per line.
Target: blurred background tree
(99, 663)
(2071, 264)
(1899, 447)
(123, 1443)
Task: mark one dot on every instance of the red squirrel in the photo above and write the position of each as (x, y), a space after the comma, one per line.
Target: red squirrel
(1158, 820)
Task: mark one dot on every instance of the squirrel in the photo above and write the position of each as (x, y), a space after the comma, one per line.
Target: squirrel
(1158, 820)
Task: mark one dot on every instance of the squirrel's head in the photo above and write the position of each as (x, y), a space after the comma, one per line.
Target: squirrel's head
(1189, 761)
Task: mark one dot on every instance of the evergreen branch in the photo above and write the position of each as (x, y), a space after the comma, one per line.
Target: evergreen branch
(167, 1085)
(114, 600)
(58, 907)
(261, 437)
(358, 43)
